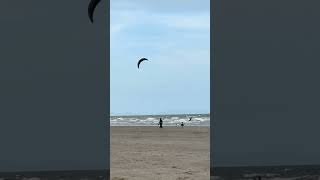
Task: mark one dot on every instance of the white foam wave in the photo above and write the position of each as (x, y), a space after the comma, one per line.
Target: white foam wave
(197, 120)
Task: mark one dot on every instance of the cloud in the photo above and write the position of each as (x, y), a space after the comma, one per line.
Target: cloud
(160, 32)
(121, 20)
(162, 6)
(116, 28)
(165, 35)
(178, 15)
(186, 21)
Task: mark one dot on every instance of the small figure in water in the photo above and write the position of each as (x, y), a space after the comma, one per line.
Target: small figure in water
(182, 124)
(160, 123)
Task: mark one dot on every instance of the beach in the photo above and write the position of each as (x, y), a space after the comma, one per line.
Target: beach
(152, 153)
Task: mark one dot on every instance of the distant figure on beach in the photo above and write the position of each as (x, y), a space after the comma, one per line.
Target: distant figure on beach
(182, 124)
(190, 118)
(160, 123)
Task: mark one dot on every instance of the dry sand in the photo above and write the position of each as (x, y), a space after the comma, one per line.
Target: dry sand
(151, 153)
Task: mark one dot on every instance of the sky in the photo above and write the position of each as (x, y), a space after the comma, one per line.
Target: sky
(175, 37)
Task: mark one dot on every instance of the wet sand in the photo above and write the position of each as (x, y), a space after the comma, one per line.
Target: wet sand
(151, 153)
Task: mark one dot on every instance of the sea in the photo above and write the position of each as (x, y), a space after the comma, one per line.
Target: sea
(168, 120)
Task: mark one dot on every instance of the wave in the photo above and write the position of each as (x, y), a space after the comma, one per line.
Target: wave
(168, 120)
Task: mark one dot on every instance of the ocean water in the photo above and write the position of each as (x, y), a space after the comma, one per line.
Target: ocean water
(168, 120)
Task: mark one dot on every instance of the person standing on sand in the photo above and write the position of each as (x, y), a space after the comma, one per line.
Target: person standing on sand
(182, 124)
(160, 123)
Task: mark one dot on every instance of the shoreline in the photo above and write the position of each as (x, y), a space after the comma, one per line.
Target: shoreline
(206, 114)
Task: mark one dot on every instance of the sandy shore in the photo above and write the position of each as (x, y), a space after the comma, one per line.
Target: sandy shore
(151, 153)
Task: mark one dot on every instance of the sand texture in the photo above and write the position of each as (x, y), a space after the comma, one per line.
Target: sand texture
(151, 153)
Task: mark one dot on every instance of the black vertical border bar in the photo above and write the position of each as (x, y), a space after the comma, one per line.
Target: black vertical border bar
(212, 45)
(105, 173)
(108, 84)
(211, 78)
(215, 16)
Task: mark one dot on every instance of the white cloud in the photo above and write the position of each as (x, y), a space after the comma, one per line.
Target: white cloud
(165, 49)
(187, 21)
(122, 19)
(162, 6)
(116, 28)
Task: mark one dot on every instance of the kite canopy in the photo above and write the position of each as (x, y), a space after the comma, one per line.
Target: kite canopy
(92, 5)
(142, 59)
